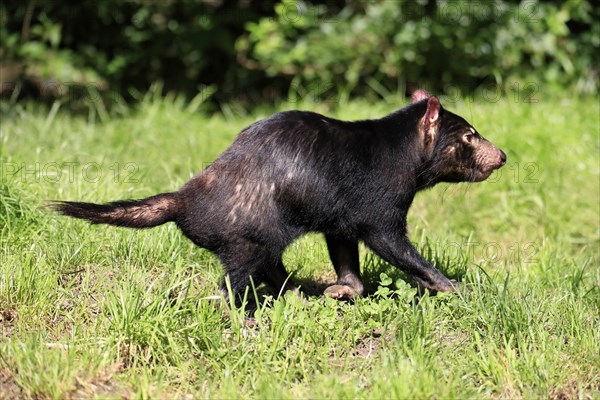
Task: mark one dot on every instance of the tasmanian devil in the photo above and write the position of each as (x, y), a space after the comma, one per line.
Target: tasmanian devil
(297, 172)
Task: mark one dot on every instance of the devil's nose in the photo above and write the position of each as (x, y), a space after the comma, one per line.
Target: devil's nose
(502, 157)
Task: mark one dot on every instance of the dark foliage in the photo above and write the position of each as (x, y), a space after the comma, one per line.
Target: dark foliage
(251, 51)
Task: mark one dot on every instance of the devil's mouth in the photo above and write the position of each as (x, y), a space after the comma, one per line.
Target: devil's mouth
(482, 174)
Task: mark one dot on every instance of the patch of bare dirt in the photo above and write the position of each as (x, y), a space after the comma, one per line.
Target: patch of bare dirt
(7, 323)
(102, 385)
(366, 348)
(562, 394)
(9, 389)
(574, 390)
(368, 345)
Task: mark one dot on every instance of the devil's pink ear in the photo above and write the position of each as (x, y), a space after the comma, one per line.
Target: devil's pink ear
(430, 123)
(433, 110)
(419, 95)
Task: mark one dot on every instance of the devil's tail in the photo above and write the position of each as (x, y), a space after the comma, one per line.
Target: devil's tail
(145, 213)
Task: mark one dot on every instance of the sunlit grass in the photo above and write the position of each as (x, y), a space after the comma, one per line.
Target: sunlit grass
(100, 311)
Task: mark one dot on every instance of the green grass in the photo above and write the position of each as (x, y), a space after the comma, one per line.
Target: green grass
(97, 311)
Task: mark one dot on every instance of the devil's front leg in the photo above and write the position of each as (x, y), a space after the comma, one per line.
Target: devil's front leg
(396, 249)
(344, 256)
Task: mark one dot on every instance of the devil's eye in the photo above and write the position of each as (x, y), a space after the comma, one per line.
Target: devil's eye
(470, 136)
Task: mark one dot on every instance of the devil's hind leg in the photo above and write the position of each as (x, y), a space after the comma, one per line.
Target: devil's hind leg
(279, 279)
(249, 263)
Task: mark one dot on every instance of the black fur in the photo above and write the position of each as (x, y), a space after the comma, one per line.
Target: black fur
(297, 172)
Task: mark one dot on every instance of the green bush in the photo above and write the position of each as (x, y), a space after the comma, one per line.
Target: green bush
(125, 44)
(385, 45)
(257, 50)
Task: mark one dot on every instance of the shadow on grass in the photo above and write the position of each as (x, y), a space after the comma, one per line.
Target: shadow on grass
(372, 268)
